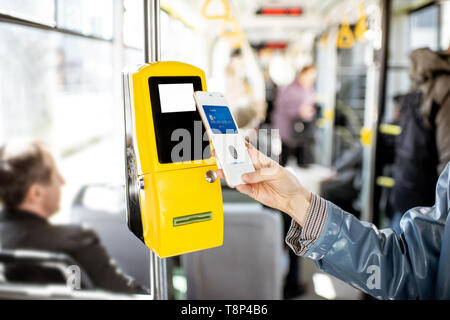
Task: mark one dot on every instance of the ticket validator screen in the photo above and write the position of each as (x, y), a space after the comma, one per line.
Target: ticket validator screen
(177, 97)
(174, 111)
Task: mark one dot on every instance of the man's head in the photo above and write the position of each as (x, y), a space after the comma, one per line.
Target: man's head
(29, 179)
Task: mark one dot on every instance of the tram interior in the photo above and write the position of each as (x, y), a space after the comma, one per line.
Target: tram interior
(60, 82)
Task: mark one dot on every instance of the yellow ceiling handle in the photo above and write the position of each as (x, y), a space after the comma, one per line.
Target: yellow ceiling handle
(345, 37)
(233, 33)
(225, 16)
(361, 25)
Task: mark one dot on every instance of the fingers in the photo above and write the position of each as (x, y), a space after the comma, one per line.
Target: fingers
(220, 174)
(253, 177)
(257, 176)
(266, 168)
(258, 159)
(245, 189)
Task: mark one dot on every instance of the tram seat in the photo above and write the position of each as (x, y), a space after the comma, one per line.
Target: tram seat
(130, 254)
(37, 267)
(249, 265)
(33, 274)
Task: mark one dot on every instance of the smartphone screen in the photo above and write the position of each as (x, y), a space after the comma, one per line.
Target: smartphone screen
(228, 144)
(220, 120)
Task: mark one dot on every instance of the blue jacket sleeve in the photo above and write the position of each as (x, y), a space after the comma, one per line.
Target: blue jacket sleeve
(379, 262)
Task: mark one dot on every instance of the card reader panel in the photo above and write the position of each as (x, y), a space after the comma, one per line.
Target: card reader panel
(171, 127)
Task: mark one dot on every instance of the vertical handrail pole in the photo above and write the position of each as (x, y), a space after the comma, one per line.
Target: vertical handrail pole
(152, 49)
(154, 28)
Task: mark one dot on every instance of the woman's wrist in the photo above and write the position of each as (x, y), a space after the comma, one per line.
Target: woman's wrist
(298, 206)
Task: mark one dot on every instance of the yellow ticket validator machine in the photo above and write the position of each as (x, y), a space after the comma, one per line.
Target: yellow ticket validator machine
(174, 199)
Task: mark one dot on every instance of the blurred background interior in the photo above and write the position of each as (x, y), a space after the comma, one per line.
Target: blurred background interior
(60, 81)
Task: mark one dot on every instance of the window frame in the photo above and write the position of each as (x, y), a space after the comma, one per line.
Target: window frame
(33, 23)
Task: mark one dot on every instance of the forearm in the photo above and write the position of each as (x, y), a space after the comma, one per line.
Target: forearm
(374, 261)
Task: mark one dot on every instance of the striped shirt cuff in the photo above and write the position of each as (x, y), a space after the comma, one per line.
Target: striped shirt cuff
(301, 239)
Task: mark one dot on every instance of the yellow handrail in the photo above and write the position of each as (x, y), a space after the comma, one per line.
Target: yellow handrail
(345, 37)
(361, 25)
(225, 16)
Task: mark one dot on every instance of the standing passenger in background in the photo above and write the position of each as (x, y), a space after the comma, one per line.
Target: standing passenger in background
(294, 110)
(239, 93)
(423, 148)
(294, 106)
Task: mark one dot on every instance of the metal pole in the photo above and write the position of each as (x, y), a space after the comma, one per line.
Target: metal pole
(376, 168)
(158, 274)
(152, 30)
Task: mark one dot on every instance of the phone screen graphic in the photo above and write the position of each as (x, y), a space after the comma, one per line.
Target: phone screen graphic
(220, 120)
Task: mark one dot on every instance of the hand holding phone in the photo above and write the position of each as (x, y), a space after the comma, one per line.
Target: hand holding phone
(274, 186)
(229, 146)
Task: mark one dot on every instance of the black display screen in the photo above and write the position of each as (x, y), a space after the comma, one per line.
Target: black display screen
(179, 129)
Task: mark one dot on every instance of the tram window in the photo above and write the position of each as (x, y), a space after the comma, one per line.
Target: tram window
(419, 28)
(88, 17)
(133, 24)
(445, 27)
(189, 46)
(62, 93)
(424, 28)
(40, 11)
(133, 56)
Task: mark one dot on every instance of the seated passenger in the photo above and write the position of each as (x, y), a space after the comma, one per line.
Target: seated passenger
(30, 187)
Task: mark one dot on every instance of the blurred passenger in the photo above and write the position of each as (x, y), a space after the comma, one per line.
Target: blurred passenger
(423, 148)
(30, 188)
(344, 186)
(414, 265)
(239, 93)
(293, 116)
(386, 142)
(293, 111)
(271, 92)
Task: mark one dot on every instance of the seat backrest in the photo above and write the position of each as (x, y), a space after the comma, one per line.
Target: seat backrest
(38, 267)
(129, 253)
(249, 264)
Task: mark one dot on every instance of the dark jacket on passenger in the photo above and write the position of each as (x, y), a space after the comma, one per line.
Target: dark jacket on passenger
(423, 147)
(24, 230)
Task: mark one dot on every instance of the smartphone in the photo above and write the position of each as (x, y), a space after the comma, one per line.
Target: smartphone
(225, 137)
